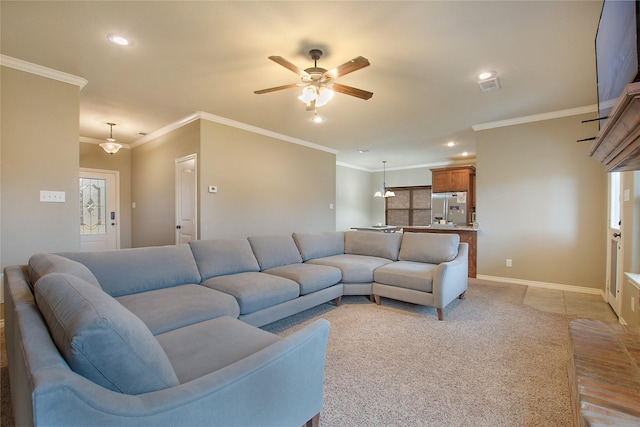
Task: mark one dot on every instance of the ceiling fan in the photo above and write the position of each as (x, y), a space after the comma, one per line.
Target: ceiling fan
(318, 83)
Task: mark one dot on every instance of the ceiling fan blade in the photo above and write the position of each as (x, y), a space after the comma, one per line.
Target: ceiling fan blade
(288, 65)
(348, 90)
(348, 67)
(273, 89)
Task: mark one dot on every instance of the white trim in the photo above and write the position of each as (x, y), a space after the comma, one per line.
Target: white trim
(537, 117)
(165, 129)
(469, 162)
(545, 285)
(39, 70)
(228, 122)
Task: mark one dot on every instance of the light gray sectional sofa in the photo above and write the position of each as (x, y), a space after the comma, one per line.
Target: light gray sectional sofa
(169, 335)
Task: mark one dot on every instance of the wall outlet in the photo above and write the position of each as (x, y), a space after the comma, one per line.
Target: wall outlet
(213, 189)
(509, 262)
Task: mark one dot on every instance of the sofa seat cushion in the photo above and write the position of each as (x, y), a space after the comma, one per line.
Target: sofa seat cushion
(255, 291)
(407, 274)
(43, 264)
(129, 271)
(218, 257)
(100, 339)
(165, 309)
(319, 245)
(354, 268)
(310, 277)
(433, 248)
(205, 347)
(274, 251)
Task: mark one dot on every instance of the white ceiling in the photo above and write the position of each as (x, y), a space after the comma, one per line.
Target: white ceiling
(211, 55)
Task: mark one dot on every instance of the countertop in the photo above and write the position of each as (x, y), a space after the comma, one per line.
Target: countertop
(445, 227)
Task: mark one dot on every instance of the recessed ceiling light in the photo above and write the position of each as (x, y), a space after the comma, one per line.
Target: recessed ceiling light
(119, 40)
(450, 144)
(464, 153)
(363, 151)
(317, 119)
(486, 75)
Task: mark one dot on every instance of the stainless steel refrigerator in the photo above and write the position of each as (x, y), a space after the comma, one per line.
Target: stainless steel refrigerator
(449, 207)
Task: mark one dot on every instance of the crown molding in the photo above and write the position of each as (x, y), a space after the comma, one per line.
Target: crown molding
(537, 117)
(232, 123)
(50, 73)
(467, 162)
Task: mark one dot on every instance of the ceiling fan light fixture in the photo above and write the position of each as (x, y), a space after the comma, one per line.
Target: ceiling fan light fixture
(308, 94)
(324, 96)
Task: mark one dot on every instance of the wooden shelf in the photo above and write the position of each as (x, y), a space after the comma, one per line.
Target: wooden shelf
(618, 143)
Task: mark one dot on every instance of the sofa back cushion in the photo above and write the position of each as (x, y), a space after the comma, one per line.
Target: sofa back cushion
(372, 243)
(219, 257)
(274, 251)
(432, 248)
(42, 264)
(129, 271)
(319, 245)
(100, 339)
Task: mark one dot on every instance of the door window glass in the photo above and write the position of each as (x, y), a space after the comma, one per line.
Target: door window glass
(93, 206)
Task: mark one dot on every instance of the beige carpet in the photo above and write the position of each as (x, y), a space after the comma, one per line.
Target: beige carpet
(491, 362)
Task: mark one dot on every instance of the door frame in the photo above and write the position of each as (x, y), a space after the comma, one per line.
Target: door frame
(117, 194)
(614, 272)
(178, 190)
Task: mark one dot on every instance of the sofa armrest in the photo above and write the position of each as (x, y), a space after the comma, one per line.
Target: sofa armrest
(281, 385)
(450, 278)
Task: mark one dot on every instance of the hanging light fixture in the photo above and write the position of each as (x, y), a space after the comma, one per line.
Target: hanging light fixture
(384, 192)
(111, 146)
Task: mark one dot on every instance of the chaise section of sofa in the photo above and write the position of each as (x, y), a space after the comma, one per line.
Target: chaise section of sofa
(159, 284)
(79, 357)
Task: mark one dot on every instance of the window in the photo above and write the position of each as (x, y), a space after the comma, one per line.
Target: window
(411, 206)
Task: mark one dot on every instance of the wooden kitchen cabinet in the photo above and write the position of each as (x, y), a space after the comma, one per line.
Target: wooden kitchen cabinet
(444, 180)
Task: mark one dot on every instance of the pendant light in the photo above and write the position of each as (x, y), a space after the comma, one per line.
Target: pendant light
(384, 192)
(111, 146)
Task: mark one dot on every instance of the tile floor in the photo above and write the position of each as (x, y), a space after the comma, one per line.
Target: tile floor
(571, 304)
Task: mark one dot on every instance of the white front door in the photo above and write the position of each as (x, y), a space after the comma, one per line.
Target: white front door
(99, 212)
(614, 245)
(186, 199)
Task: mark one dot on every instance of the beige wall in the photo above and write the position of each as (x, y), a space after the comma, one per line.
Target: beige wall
(353, 198)
(265, 185)
(94, 157)
(541, 201)
(39, 152)
(153, 185)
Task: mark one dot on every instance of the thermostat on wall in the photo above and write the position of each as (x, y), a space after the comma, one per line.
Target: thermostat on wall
(213, 189)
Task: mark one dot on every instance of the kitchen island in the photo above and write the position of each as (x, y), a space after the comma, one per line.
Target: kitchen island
(467, 235)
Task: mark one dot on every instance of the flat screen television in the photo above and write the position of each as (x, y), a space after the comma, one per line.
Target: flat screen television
(617, 52)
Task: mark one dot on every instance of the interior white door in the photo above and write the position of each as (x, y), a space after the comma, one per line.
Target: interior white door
(99, 211)
(186, 199)
(614, 245)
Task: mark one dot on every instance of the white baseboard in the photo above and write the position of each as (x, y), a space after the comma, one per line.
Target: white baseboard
(545, 285)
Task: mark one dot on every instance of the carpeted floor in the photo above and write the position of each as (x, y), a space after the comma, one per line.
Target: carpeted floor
(492, 362)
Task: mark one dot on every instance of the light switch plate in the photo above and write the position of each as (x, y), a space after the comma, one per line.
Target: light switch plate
(52, 196)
